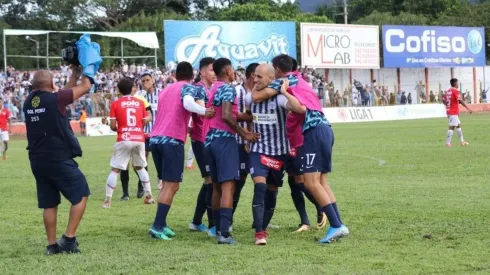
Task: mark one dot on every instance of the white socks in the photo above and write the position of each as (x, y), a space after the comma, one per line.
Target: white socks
(449, 136)
(111, 184)
(145, 180)
(460, 134)
(190, 158)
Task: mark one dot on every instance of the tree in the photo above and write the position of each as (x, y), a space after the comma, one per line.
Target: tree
(264, 10)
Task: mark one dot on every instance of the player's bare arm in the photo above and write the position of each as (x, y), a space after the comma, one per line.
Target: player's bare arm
(148, 118)
(293, 103)
(464, 105)
(232, 122)
(244, 117)
(263, 95)
(113, 124)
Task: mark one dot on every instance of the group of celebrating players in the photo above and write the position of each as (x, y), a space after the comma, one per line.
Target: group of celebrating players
(271, 124)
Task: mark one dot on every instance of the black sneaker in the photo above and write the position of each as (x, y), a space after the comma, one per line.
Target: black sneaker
(125, 198)
(52, 250)
(68, 246)
(140, 194)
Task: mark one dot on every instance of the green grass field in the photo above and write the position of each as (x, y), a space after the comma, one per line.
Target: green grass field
(395, 182)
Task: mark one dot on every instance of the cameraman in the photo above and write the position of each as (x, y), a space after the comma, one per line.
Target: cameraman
(52, 147)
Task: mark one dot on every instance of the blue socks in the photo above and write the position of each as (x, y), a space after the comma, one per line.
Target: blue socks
(209, 208)
(200, 205)
(258, 206)
(226, 214)
(270, 206)
(337, 212)
(298, 200)
(310, 197)
(161, 216)
(217, 219)
(332, 216)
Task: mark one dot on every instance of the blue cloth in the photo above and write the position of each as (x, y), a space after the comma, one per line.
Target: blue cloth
(89, 56)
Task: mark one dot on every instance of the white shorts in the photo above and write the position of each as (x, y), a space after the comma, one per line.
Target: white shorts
(5, 136)
(454, 120)
(126, 150)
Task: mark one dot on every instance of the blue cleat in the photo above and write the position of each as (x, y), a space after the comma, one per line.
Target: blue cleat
(223, 240)
(157, 234)
(332, 235)
(198, 228)
(345, 231)
(212, 232)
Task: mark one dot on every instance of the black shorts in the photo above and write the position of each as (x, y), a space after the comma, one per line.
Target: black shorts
(53, 178)
(82, 125)
(200, 153)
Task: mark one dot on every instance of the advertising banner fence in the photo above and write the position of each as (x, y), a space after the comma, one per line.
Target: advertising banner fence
(399, 112)
(242, 42)
(339, 46)
(430, 46)
(96, 128)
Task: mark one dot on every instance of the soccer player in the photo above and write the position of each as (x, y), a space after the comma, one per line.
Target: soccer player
(150, 93)
(318, 144)
(268, 155)
(124, 174)
(176, 103)
(223, 148)
(128, 116)
(242, 91)
(452, 99)
(52, 146)
(5, 126)
(200, 127)
(294, 168)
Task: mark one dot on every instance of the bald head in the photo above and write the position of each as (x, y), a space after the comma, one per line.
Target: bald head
(264, 75)
(266, 70)
(43, 80)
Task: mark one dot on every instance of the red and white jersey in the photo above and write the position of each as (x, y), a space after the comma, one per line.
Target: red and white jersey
(452, 98)
(4, 118)
(129, 111)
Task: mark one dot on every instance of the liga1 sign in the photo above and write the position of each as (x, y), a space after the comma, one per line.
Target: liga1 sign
(240, 41)
(340, 46)
(385, 113)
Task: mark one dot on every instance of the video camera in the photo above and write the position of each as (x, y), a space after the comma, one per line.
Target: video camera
(69, 54)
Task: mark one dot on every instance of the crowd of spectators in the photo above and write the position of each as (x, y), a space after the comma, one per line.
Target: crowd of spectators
(16, 85)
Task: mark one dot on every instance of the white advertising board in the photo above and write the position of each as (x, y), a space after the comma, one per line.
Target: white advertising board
(399, 112)
(340, 46)
(95, 128)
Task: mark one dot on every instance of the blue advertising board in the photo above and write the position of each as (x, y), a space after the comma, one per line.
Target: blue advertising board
(241, 42)
(430, 46)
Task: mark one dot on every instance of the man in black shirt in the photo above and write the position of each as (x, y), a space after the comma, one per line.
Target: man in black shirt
(52, 147)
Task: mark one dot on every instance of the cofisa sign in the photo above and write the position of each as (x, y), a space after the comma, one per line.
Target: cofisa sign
(429, 46)
(241, 42)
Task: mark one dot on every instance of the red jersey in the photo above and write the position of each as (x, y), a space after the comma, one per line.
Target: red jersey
(4, 118)
(129, 112)
(452, 98)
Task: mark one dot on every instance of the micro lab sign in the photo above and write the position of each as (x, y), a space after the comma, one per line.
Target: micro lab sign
(242, 42)
(429, 46)
(340, 46)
